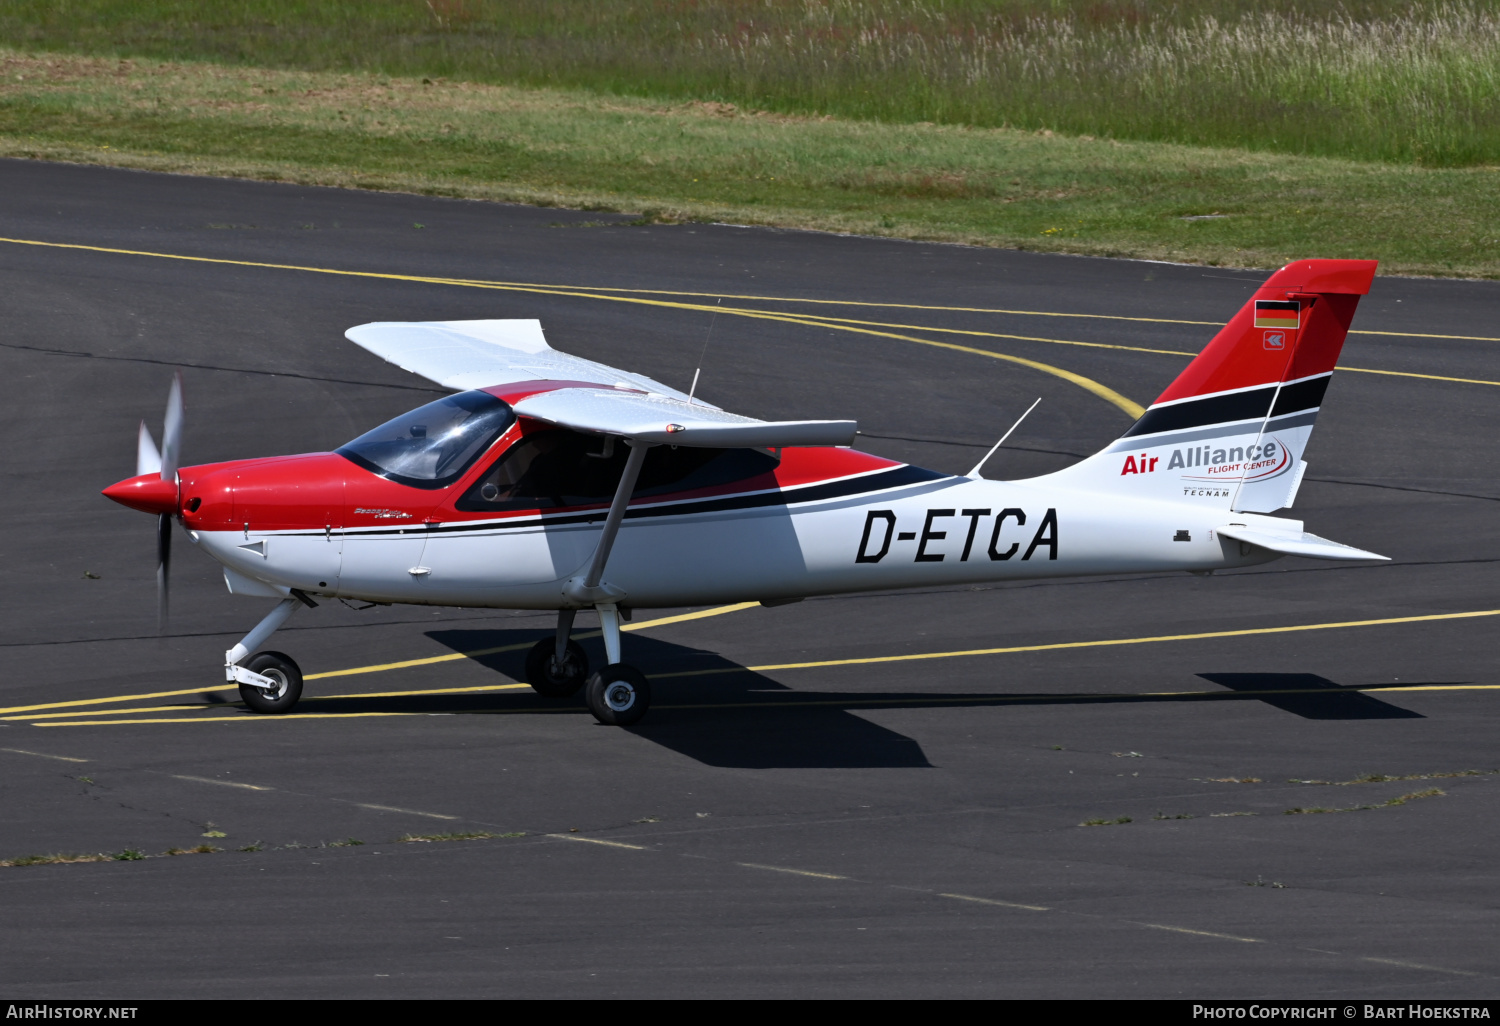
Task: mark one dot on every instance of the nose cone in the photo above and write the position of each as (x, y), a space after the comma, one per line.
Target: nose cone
(147, 493)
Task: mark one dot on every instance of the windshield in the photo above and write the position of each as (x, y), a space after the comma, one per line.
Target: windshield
(431, 446)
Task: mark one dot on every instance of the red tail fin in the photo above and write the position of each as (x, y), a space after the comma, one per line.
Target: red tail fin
(1291, 329)
(1233, 426)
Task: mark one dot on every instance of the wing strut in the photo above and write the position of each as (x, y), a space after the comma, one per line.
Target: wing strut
(591, 589)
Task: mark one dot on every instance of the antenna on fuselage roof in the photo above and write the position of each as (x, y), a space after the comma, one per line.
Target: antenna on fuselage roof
(699, 369)
(974, 474)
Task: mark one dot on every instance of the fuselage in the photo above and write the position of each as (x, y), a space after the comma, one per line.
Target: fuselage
(750, 525)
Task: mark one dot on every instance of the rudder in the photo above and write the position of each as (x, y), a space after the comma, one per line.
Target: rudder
(1233, 427)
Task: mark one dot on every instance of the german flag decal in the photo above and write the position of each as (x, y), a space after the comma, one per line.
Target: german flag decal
(1276, 313)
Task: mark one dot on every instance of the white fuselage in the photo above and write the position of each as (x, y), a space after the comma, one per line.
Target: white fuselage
(953, 530)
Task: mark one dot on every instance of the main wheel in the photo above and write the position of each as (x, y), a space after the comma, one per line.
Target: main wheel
(288, 677)
(619, 695)
(555, 679)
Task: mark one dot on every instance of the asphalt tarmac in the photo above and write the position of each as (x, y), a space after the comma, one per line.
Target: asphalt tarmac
(880, 828)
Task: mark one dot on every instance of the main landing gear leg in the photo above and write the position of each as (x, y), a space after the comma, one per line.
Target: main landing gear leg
(618, 695)
(270, 682)
(557, 667)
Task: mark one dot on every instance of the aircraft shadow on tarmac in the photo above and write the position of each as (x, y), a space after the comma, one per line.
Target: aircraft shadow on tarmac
(721, 714)
(1310, 696)
(714, 718)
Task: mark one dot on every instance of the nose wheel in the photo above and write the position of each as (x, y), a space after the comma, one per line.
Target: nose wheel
(286, 676)
(618, 695)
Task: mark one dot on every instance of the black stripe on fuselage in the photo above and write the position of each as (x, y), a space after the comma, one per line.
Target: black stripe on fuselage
(896, 477)
(1251, 404)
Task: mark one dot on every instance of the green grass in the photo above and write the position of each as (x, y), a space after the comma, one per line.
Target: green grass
(708, 161)
(1366, 79)
(1431, 792)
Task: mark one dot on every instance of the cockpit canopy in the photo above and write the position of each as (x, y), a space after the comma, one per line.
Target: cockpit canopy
(432, 446)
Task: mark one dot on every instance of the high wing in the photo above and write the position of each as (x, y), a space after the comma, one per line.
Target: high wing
(478, 354)
(483, 354)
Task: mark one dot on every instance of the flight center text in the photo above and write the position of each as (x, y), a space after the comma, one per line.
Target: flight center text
(938, 537)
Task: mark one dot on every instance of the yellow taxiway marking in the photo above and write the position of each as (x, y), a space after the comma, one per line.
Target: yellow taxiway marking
(406, 694)
(1203, 933)
(456, 656)
(595, 840)
(867, 660)
(1101, 643)
(992, 901)
(221, 783)
(1094, 387)
(452, 657)
(408, 812)
(620, 294)
(1160, 352)
(961, 309)
(794, 703)
(112, 712)
(793, 872)
(1413, 374)
(42, 755)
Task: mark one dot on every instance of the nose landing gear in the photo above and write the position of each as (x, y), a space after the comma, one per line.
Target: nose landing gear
(286, 677)
(618, 695)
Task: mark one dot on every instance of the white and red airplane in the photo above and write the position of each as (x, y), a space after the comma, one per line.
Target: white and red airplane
(552, 482)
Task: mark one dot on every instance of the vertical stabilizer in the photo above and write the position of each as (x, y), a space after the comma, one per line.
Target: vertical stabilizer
(1232, 429)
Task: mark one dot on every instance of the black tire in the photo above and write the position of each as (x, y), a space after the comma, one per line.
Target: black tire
(280, 668)
(551, 680)
(619, 695)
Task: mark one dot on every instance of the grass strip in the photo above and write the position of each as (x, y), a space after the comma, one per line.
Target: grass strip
(661, 161)
(1403, 80)
(1431, 792)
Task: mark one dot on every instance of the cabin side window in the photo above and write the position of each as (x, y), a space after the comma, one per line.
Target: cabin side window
(556, 469)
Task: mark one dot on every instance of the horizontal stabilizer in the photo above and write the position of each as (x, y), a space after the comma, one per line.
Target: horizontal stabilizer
(664, 420)
(480, 354)
(1302, 544)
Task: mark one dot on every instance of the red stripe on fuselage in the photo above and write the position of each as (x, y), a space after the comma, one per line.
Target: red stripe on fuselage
(315, 491)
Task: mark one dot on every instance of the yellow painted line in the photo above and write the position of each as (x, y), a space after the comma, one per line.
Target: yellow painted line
(456, 656)
(1172, 352)
(847, 302)
(1089, 385)
(224, 719)
(221, 783)
(1094, 387)
(995, 334)
(1103, 643)
(1203, 933)
(1428, 377)
(451, 657)
(408, 812)
(684, 617)
(853, 703)
(958, 309)
(992, 901)
(406, 694)
(595, 840)
(112, 712)
(1440, 687)
(793, 872)
(117, 698)
(42, 755)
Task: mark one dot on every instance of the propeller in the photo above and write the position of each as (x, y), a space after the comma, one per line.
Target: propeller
(148, 460)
